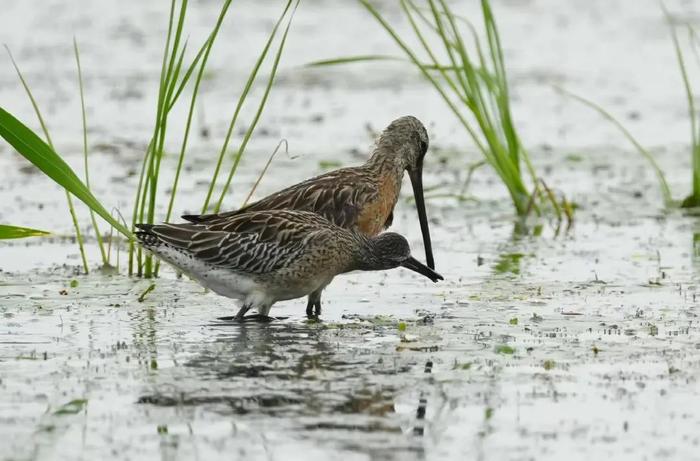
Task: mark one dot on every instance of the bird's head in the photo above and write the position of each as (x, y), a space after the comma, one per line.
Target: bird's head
(390, 250)
(407, 139)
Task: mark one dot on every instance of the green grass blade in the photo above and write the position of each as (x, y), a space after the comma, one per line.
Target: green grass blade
(663, 184)
(14, 232)
(34, 149)
(241, 99)
(478, 80)
(443, 70)
(695, 147)
(169, 73)
(193, 100)
(265, 168)
(147, 171)
(71, 208)
(209, 43)
(258, 113)
(352, 60)
(417, 62)
(98, 235)
(189, 72)
(343, 60)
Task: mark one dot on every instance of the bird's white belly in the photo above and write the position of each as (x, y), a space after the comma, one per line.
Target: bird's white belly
(252, 291)
(229, 284)
(221, 281)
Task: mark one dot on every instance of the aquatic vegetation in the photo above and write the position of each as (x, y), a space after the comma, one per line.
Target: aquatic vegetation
(71, 408)
(98, 235)
(44, 157)
(504, 349)
(147, 191)
(661, 177)
(692, 200)
(474, 86)
(508, 263)
(71, 208)
(142, 296)
(174, 77)
(14, 232)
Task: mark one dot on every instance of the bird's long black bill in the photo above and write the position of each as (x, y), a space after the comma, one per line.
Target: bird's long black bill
(417, 183)
(422, 269)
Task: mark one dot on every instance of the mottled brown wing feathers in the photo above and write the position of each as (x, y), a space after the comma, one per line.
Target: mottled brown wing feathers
(338, 196)
(252, 242)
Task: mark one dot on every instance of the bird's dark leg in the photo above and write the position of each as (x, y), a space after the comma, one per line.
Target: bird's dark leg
(242, 311)
(261, 316)
(313, 306)
(310, 308)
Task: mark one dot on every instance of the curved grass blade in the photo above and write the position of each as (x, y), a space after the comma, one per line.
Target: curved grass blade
(469, 87)
(663, 184)
(195, 91)
(241, 99)
(261, 106)
(71, 208)
(169, 72)
(34, 149)
(694, 199)
(414, 59)
(98, 235)
(352, 60)
(14, 232)
(193, 100)
(265, 168)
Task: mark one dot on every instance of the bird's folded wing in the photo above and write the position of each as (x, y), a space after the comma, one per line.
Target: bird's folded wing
(338, 196)
(253, 243)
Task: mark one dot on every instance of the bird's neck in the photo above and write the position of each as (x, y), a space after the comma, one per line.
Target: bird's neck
(363, 256)
(386, 162)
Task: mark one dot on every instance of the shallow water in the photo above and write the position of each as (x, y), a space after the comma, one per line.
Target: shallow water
(550, 343)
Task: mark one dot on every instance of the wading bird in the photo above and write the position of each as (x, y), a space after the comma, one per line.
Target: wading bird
(361, 198)
(261, 257)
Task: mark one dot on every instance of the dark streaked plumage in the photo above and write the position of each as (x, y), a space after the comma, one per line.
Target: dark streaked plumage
(267, 256)
(360, 198)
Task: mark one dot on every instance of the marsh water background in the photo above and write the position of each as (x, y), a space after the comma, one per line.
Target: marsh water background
(538, 345)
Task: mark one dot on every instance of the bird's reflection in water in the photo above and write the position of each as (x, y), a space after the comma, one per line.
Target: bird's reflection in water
(308, 377)
(280, 367)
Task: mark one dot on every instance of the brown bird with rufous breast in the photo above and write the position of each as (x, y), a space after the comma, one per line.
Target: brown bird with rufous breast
(360, 198)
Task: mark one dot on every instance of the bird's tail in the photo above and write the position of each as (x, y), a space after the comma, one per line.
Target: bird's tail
(146, 237)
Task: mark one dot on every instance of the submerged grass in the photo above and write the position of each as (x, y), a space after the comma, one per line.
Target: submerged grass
(474, 85)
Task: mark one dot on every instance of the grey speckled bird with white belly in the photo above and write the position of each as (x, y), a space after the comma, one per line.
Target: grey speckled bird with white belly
(267, 256)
